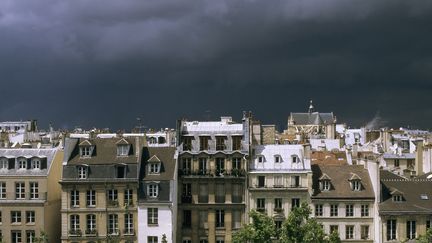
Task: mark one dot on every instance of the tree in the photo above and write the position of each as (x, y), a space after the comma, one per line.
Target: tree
(43, 238)
(261, 230)
(164, 238)
(427, 238)
(334, 237)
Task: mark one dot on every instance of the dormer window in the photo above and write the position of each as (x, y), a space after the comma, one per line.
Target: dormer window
(260, 159)
(154, 168)
(82, 172)
(397, 198)
(356, 185)
(325, 182)
(326, 185)
(295, 159)
(85, 151)
(121, 171)
(4, 164)
(278, 159)
(36, 163)
(22, 164)
(123, 150)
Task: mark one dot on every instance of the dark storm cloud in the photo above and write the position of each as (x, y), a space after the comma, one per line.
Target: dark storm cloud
(103, 63)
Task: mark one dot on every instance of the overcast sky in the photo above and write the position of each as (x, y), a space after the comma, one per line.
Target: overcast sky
(104, 63)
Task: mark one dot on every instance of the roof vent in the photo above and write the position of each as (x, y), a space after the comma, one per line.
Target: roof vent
(226, 119)
(424, 197)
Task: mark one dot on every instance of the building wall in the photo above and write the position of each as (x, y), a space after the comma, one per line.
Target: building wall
(164, 224)
(401, 221)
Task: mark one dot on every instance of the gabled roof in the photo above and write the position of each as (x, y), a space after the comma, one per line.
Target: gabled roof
(86, 143)
(340, 176)
(354, 176)
(166, 156)
(122, 142)
(154, 158)
(324, 177)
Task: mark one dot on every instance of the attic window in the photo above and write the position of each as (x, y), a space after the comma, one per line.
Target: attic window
(278, 159)
(260, 159)
(4, 164)
(122, 150)
(326, 185)
(35, 163)
(356, 185)
(397, 198)
(154, 168)
(86, 151)
(121, 171)
(424, 197)
(22, 163)
(295, 159)
(82, 172)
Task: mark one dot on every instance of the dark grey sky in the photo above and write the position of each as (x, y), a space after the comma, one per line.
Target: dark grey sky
(105, 62)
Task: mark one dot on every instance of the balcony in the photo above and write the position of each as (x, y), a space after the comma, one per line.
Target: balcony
(75, 232)
(91, 232)
(212, 173)
(26, 196)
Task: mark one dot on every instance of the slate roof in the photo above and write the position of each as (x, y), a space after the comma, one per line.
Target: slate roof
(105, 151)
(340, 182)
(12, 153)
(313, 118)
(165, 156)
(412, 192)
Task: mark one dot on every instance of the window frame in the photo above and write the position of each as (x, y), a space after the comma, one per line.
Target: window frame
(152, 216)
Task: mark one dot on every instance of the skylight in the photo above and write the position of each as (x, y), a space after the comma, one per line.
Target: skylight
(424, 197)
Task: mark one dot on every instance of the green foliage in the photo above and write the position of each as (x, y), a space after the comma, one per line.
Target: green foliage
(164, 238)
(297, 228)
(427, 238)
(261, 230)
(43, 238)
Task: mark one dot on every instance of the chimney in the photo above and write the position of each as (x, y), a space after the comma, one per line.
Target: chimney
(419, 157)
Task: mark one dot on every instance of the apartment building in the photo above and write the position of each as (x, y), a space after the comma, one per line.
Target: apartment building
(30, 194)
(280, 178)
(212, 179)
(99, 189)
(405, 208)
(157, 207)
(344, 201)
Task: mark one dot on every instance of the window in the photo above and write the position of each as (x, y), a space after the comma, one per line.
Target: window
(220, 218)
(295, 159)
(152, 216)
(203, 193)
(16, 236)
(128, 227)
(35, 164)
(128, 197)
(154, 168)
(91, 224)
(318, 210)
(260, 159)
(152, 239)
(364, 231)
(428, 224)
(220, 166)
(236, 163)
(237, 193)
(152, 190)
(278, 181)
(220, 240)
(91, 198)
(15, 217)
(187, 165)
(278, 224)
(2, 190)
(1, 218)
(391, 229)
(4, 165)
(295, 181)
(202, 166)
(34, 190)
(326, 185)
(85, 151)
(113, 197)
(236, 142)
(237, 218)
(295, 203)
(187, 241)
(220, 193)
(187, 218)
(203, 241)
(411, 229)
(349, 232)
(277, 159)
(121, 171)
(396, 163)
(74, 196)
(220, 143)
(260, 204)
(204, 142)
(74, 223)
(123, 150)
(30, 217)
(364, 210)
(349, 210)
(187, 143)
(82, 172)
(20, 190)
(278, 204)
(261, 181)
(334, 210)
(203, 219)
(397, 198)
(30, 235)
(356, 185)
(113, 224)
(22, 164)
(334, 228)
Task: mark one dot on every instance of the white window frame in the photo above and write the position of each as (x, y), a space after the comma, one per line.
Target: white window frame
(85, 151)
(34, 190)
(82, 172)
(129, 223)
(349, 210)
(74, 194)
(411, 229)
(74, 222)
(16, 217)
(334, 210)
(2, 190)
(20, 190)
(91, 222)
(91, 198)
(356, 185)
(295, 159)
(152, 216)
(154, 168)
(22, 164)
(349, 232)
(113, 221)
(36, 164)
(30, 217)
(112, 195)
(277, 159)
(128, 196)
(153, 190)
(123, 149)
(365, 210)
(326, 185)
(4, 164)
(260, 159)
(319, 210)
